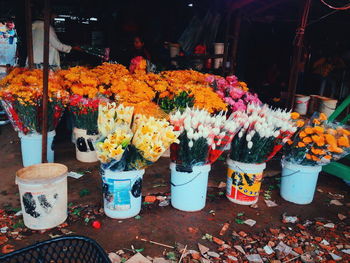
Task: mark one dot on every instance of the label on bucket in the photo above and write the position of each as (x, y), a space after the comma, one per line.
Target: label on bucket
(38, 204)
(243, 187)
(117, 193)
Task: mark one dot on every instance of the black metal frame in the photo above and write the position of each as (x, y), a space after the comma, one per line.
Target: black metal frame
(39, 249)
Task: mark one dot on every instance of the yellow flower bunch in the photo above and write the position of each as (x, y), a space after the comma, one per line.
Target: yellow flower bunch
(110, 116)
(153, 136)
(114, 145)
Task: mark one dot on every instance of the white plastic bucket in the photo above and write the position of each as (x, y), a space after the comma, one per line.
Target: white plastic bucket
(122, 193)
(298, 182)
(243, 182)
(327, 106)
(218, 50)
(189, 190)
(85, 146)
(31, 145)
(43, 195)
(301, 104)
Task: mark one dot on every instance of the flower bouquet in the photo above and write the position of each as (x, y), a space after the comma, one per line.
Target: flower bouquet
(128, 145)
(235, 93)
(202, 140)
(85, 112)
(21, 97)
(263, 133)
(316, 143)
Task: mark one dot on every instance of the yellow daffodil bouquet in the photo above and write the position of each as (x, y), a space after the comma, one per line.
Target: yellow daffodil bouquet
(318, 142)
(128, 141)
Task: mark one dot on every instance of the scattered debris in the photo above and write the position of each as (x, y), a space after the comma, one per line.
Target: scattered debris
(250, 222)
(164, 203)
(222, 185)
(224, 229)
(75, 175)
(138, 217)
(270, 203)
(335, 202)
(268, 250)
(341, 217)
(138, 258)
(329, 225)
(289, 219)
(150, 199)
(154, 242)
(202, 249)
(254, 258)
(96, 224)
(213, 254)
(114, 258)
(335, 257)
(240, 249)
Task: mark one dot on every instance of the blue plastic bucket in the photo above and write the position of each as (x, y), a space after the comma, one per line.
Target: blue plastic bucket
(298, 182)
(31, 148)
(122, 193)
(189, 190)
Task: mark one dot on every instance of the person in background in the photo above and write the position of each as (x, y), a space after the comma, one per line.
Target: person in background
(56, 45)
(139, 49)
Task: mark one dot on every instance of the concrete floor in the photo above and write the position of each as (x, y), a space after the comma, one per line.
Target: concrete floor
(165, 224)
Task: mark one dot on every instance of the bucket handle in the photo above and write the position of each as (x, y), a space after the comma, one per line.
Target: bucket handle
(290, 174)
(176, 185)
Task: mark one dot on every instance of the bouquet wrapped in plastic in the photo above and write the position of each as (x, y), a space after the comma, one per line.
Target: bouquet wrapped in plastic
(21, 97)
(202, 137)
(318, 142)
(131, 142)
(263, 133)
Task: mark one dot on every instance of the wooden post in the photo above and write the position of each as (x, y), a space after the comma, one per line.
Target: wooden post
(235, 43)
(297, 52)
(28, 20)
(47, 19)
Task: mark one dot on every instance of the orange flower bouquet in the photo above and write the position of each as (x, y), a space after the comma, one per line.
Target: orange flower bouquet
(318, 142)
(21, 94)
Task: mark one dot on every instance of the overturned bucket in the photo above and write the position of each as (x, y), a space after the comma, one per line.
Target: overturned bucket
(122, 193)
(189, 189)
(243, 182)
(43, 195)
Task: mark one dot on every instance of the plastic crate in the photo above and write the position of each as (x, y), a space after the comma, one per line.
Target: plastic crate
(67, 249)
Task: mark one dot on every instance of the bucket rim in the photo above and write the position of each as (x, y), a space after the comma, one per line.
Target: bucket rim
(305, 168)
(259, 166)
(42, 180)
(195, 168)
(124, 173)
(36, 135)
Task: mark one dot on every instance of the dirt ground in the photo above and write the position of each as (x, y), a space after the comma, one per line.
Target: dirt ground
(166, 224)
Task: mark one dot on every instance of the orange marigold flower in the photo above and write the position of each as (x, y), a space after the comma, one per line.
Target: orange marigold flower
(328, 157)
(309, 130)
(316, 121)
(301, 144)
(307, 140)
(308, 156)
(302, 134)
(323, 117)
(331, 140)
(335, 149)
(319, 129)
(315, 158)
(295, 115)
(331, 131)
(343, 141)
(300, 123)
(290, 142)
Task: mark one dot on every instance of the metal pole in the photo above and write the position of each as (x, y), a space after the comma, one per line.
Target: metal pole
(297, 52)
(47, 18)
(237, 28)
(28, 19)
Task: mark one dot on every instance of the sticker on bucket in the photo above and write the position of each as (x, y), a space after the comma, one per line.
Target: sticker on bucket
(243, 187)
(37, 204)
(116, 193)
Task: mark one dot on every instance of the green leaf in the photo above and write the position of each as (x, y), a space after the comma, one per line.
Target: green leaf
(138, 217)
(171, 256)
(239, 221)
(139, 250)
(240, 214)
